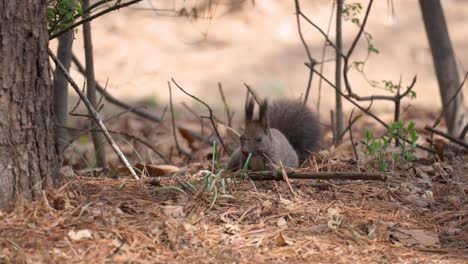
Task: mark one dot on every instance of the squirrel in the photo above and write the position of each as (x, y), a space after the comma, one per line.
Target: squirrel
(284, 134)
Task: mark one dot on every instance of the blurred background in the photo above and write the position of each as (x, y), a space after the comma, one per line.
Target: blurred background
(139, 48)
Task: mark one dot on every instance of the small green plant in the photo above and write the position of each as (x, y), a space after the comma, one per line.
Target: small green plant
(62, 13)
(404, 137)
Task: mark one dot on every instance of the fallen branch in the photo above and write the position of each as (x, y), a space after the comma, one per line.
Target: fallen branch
(94, 115)
(326, 175)
(447, 136)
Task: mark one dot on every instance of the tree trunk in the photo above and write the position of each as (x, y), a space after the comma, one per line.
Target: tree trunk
(338, 72)
(445, 65)
(28, 157)
(98, 138)
(64, 54)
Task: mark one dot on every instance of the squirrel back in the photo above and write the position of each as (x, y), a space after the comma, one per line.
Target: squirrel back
(284, 133)
(298, 124)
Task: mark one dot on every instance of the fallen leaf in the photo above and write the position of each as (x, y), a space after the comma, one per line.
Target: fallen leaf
(410, 237)
(187, 136)
(80, 234)
(280, 241)
(156, 170)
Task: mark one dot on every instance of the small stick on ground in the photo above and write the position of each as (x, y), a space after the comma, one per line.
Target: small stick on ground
(95, 116)
(277, 175)
(286, 179)
(447, 136)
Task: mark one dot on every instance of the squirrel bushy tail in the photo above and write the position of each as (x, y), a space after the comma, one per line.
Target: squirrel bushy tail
(298, 124)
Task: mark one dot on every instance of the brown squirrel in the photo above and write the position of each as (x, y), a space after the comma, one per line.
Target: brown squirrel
(285, 133)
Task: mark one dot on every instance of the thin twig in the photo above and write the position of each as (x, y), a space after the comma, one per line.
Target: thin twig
(325, 45)
(447, 136)
(210, 115)
(350, 123)
(110, 9)
(437, 121)
(174, 132)
(70, 142)
(148, 145)
(229, 115)
(253, 93)
(94, 115)
(325, 175)
(349, 99)
(312, 61)
(140, 112)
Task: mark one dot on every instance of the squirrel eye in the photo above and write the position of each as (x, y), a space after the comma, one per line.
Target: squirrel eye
(259, 139)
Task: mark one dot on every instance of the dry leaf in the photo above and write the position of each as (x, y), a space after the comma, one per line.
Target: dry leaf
(187, 136)
(280, 241)
(156, 170)
(411, 237)
(80, 234)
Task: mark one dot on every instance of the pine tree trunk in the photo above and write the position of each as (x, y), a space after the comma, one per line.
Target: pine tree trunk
(28, 157)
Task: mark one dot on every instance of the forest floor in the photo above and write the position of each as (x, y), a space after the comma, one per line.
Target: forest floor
(418, 215)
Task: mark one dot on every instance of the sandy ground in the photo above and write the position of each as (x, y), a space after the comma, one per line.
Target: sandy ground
(138, 51)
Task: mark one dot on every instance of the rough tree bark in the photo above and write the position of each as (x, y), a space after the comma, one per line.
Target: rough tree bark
(98, 138)
(445, 65)
(28, 157)
(64, 54)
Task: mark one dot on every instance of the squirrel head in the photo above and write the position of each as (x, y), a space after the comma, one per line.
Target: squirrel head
(256, 138)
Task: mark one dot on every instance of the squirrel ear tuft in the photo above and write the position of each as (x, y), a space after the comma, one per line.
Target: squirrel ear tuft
(262, 114)
(249, 110)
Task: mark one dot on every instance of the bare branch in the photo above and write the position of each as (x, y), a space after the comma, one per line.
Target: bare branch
(148, 145)
(95, 116)
(350, 123)
(437, 121)
(213, 123)
(174, 132)
(229, 115)
(140, 112)
(447, 136)
(79, 23)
